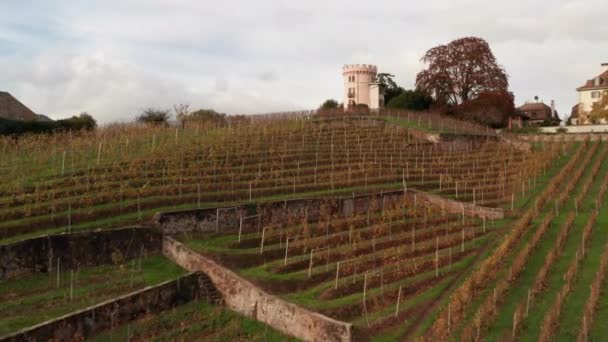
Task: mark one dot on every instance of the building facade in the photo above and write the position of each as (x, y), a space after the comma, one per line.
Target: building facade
(588, 94)
(361, 86)
(538, 113)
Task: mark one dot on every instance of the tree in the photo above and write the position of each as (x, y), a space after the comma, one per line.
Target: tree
(359, 108)
(391, 89)
(206, 116)
(412, 100)
(181, 111)
(84, 121)
(234, 120)
(460, 71)
(492, 109)
(599, 109)
(386, 79)
(329, 105)
(152, 116)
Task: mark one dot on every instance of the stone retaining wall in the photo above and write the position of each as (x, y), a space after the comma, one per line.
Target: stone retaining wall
(90, 248)
(278, 212)
(88, 322)
(565, 137)
(244, 297)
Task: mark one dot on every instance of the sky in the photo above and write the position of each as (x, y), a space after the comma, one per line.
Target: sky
(112, 58)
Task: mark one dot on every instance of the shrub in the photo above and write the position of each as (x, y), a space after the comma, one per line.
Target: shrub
(412, 100)
(206, 116)
(76, 123)
(84, 121)
(491, 109)
(152, 116)
(329, 104)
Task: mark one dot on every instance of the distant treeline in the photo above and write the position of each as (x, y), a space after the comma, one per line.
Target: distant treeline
(76, 123)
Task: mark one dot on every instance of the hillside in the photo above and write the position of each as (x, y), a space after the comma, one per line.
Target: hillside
(404, 224)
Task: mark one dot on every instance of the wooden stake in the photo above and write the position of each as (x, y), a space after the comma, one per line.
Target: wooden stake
(286, 248)
(63, 164)
(58, 267)
(528, 304)
(310, 264)
(364, 287)
(437, 258)
(71, 285)
(262, 242)
(462, 245)
(217, 220)
(398, 301)
(514, 322)
(337, 274)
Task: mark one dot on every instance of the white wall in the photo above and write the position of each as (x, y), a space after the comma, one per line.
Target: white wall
(577, 129)
(584, 98)
(374, 96)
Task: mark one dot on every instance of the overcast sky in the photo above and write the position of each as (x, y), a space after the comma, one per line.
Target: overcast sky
(113, 57)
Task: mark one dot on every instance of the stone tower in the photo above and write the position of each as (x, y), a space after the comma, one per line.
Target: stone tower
(360, 86)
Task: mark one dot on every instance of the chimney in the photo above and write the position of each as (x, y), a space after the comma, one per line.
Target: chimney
(604, 67)
(553, 109)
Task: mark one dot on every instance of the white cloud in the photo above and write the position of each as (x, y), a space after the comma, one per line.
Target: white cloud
(113, 57)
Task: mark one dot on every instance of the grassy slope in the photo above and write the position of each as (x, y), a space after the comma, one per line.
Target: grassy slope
(521, 205)
(34, 299)
(599, 329)
(194, 321)
(518, 291)
(531, 327)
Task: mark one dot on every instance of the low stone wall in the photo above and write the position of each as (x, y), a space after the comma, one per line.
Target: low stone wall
(430, 137)
(566, 137)
(279, 212)
(468, 209)
(88, 322)
(42, 254)
(244, 297)
(576, 129)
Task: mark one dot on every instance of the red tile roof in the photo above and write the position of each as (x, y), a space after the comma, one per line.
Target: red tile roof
(11, 108)
(534, 106)
(537, 111)
(590, 84)
(574, 112)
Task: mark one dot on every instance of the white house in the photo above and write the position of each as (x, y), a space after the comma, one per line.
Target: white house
(590, 93)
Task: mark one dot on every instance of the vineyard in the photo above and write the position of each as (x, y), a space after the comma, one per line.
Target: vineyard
(397, 268)
(122, 175)
(30, 300)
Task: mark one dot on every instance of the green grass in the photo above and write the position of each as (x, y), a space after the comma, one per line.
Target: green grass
(520, 205)
(29, 300)
(599, 328)
(194, 321)
(572, 310)
(519, 289)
